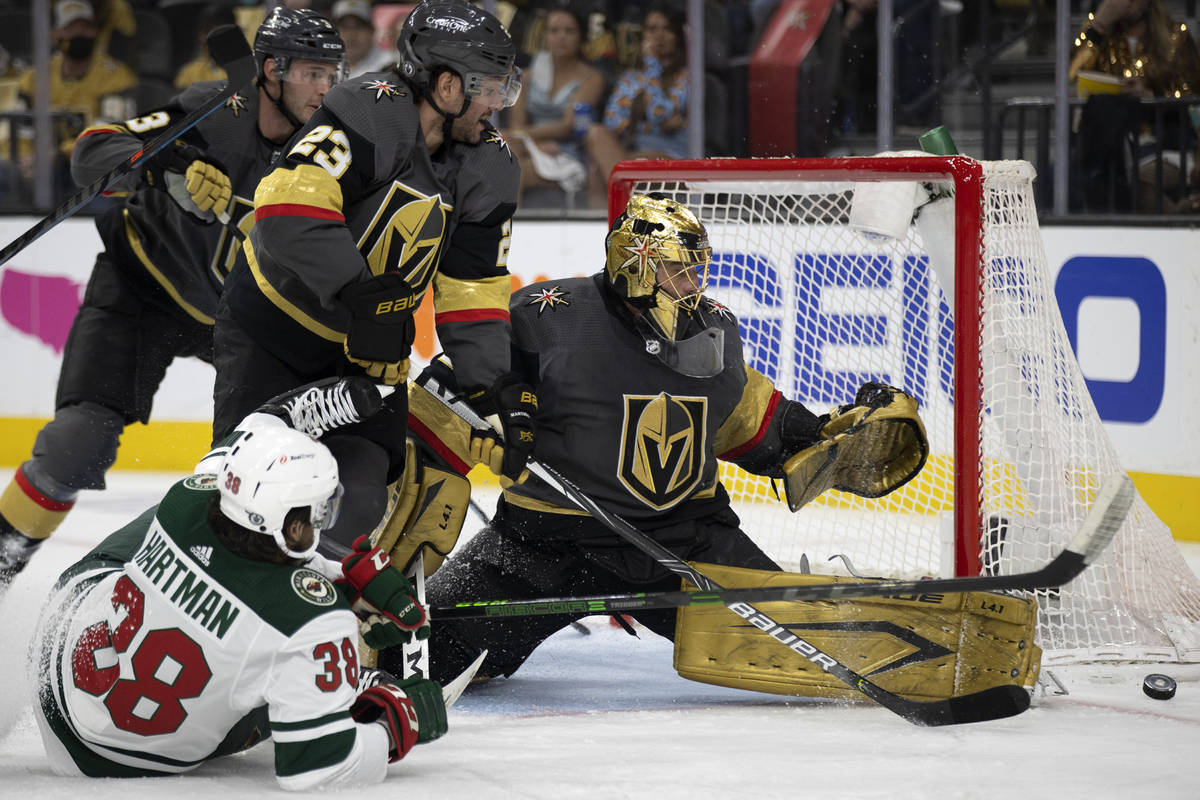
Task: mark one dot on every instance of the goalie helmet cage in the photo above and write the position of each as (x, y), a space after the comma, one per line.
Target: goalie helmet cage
(1017, 449)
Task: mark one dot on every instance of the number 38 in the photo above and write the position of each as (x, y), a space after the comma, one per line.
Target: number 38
(168, 666)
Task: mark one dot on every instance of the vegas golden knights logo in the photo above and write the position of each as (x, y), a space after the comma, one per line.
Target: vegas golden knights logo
(406, 235)
(662, 447)
(241, 211)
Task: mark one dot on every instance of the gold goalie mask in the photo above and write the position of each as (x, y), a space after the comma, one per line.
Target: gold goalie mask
(657, 259)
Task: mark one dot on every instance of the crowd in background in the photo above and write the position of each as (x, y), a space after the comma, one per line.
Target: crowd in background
(607, 80)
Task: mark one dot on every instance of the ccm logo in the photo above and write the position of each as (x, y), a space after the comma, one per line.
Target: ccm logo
(407, 303)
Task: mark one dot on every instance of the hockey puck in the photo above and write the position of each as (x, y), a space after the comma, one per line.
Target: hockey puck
(1160, 687)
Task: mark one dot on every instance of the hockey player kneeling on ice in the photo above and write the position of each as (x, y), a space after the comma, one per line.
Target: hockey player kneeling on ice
(644, 388)
(209, 623)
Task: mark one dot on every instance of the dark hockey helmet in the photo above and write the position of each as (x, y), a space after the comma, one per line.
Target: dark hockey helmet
(455, 35)
(657, 257)
(287, 34)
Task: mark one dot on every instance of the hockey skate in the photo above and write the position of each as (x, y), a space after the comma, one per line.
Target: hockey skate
(326, 405)
(15, 551)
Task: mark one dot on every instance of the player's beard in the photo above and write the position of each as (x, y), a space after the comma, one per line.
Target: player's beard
(467, 128)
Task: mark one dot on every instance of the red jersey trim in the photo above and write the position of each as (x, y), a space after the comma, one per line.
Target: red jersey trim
(37, 497)
(296, 210)
(746, 447)
(471, 315)
(430, 438)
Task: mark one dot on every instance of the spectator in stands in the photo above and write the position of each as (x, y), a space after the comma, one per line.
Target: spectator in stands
(542, 128)
(202, 67)
(82, 80)
(115, 28)
(1155, 56)
(646, 116)
(354, 23)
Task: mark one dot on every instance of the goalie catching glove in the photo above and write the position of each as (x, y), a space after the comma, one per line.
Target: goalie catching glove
(382, 598)
(382, 328)
(509, 407)
(196, 183)
(411, 711)
(869, 448)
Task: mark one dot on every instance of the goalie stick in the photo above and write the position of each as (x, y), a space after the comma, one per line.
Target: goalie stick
(994, 703)
(1103, 521)
(228, 47)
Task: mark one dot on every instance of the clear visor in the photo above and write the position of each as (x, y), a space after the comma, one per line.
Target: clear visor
(315, 74)
(324, 515)
(498, 91)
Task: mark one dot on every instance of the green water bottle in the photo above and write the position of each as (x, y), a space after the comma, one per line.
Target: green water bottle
(938, 142)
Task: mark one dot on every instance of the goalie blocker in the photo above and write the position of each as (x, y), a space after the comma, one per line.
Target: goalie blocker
(923, 646)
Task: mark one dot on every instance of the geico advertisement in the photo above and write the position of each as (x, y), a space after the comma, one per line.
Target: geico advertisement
(1128, 298)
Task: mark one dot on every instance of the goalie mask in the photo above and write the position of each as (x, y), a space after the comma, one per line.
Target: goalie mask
(657, 260)
(268, 472)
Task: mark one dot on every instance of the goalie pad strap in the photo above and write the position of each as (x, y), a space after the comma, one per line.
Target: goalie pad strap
(868, 451)
(924, 647)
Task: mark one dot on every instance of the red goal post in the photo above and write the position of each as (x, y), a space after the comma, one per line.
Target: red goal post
(967, 175)
(929, 273)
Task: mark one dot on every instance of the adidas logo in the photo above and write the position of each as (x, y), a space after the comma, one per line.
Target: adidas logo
(202, 554)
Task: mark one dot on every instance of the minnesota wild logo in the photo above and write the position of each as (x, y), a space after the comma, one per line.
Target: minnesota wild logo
(313, 587)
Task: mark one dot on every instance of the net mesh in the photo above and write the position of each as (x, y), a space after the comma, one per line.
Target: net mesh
(823, 308)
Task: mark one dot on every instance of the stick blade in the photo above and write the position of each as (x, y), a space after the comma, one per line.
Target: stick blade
(228, 47)
(454, 689)
(997, 702)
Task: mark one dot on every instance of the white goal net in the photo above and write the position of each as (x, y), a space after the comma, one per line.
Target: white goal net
(958, 309)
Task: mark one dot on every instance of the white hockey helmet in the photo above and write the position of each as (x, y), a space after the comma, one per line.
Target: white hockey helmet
(269, 471)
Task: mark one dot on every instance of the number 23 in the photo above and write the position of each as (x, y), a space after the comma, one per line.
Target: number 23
(334, 157)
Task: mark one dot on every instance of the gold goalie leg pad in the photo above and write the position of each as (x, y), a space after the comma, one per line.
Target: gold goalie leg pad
(922, 646)
(427, 508)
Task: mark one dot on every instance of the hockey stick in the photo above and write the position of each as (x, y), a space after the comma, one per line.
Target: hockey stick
(993, 703)
(1103, 521)
(229, 49)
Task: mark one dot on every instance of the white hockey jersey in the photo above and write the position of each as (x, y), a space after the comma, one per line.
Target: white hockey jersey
(162, 649)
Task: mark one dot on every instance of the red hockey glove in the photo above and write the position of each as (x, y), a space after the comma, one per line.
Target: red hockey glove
(382, 597)
(411, 711)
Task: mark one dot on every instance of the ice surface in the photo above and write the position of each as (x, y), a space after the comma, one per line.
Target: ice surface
(604, 716)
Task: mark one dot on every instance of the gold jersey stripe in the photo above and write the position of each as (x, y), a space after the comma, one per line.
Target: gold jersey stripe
(306, 185)
(285, 305)
(744, 423)
(136, 244)
(454, 294)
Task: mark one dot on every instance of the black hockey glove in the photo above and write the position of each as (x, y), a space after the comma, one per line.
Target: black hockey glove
(196, 183)
(509, 406)
(382, 328)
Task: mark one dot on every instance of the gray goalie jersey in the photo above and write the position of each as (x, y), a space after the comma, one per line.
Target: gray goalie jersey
(154, 242)
(639, 438)
(162, 649)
